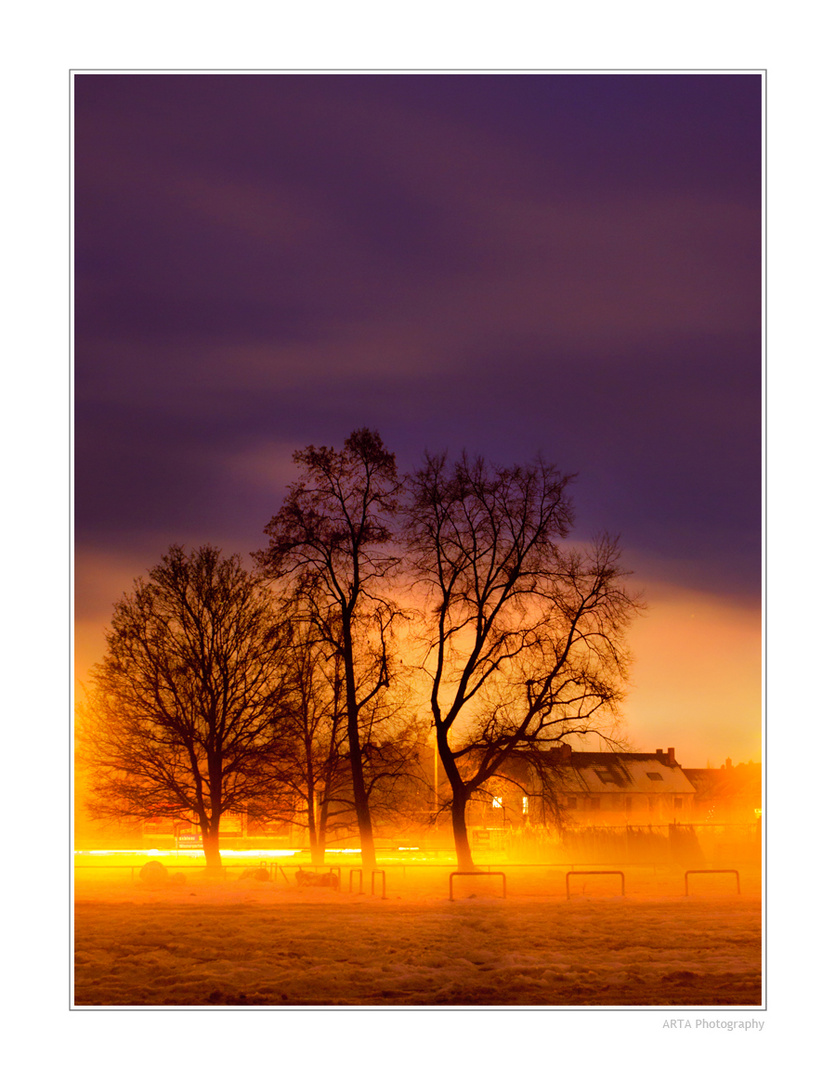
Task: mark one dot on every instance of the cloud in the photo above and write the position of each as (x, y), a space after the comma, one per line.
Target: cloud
(558, 264)
(333, 223)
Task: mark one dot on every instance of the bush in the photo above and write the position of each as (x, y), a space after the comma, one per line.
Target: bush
(153, 873)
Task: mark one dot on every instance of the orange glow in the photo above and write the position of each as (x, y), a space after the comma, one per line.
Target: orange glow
(696, 680)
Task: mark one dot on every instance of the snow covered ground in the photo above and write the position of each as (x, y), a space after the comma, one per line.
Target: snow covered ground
(244, 943)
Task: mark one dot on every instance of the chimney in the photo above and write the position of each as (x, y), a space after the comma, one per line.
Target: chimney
(564, 753)
(659, 752)
(671, 757)
(728, 763)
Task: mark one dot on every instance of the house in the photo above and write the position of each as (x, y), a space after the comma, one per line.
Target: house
(621, 789)
(731, 794)
(590, 789)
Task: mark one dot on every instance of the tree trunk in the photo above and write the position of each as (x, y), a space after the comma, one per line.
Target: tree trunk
(317, 850)
(316, 834)
(211, 849)
(355, 754)
(364, 824)
(463, 854)
(361, 799)
(460, 797)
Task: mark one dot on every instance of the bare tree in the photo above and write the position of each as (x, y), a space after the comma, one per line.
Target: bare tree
(525, 639)
(309, 782)
(332, 538)
(305, 777)
(186, 698)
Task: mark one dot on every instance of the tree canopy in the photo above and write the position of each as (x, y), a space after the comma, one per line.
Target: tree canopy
(331, 541)
(224, 690)
(524, 637)
(185, 701)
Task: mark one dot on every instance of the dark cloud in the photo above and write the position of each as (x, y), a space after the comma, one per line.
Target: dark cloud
(564, 264)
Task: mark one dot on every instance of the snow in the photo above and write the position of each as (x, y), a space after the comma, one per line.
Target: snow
(243, 943)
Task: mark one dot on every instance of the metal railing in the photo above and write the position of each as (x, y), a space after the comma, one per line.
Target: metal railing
(735, 872)
(479, 873)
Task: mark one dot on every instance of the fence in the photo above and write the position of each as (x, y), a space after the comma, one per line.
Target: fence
(694, 844)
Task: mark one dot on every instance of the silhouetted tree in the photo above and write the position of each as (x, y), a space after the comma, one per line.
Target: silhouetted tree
(305, 776)
(309, 782)
(332, 539)
(525, 640)
(186, 698)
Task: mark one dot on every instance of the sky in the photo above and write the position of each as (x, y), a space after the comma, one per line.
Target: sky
(566, 265)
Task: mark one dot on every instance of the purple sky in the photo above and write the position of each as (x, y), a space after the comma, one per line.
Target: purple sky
(565, 264)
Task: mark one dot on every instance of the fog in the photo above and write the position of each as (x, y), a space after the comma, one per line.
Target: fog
(183, 939)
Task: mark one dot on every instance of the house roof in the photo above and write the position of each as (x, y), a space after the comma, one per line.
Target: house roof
(741, 782)
(607, 773)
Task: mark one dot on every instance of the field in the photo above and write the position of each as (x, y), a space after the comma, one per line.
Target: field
(243, 943)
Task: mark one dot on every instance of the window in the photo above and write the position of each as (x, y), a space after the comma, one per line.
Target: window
(571, 803)
(628, 803)
(594, 804)
(604, 777)
(525, 804)
(677, 803)
(497, 802)
(653, 776)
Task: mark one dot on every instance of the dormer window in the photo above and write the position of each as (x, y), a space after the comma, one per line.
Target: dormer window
(654, 776)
